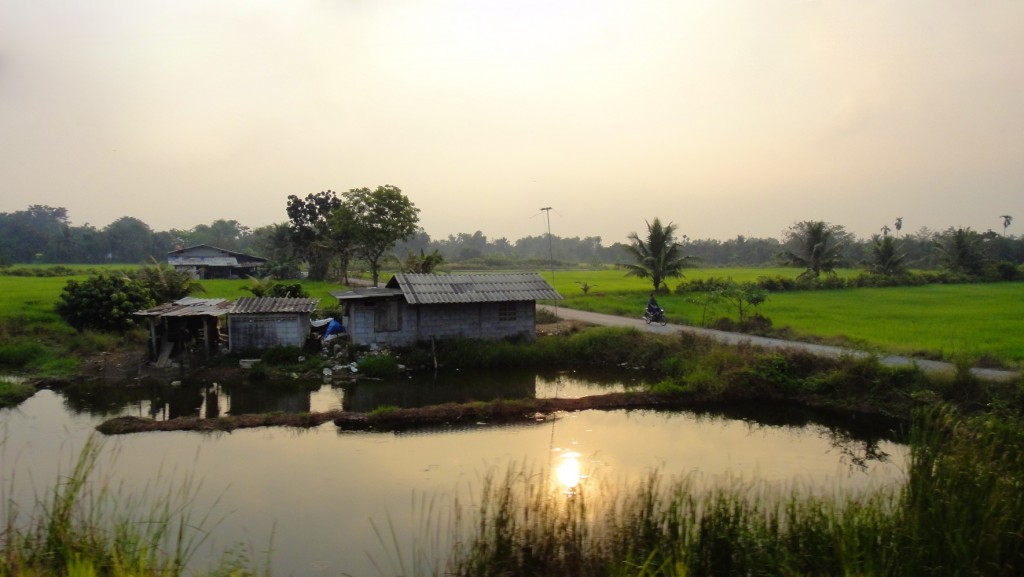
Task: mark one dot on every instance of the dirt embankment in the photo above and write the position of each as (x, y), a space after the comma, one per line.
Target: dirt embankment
(450, 414)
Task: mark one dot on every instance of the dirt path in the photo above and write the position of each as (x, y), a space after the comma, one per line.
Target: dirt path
(737, 338)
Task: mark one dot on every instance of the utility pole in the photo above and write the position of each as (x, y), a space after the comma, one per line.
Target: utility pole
(551, 252)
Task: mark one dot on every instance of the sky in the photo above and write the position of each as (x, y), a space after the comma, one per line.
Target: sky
(724, 117)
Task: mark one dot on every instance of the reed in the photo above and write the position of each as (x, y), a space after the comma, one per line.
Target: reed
(960, 513)
(85, 526)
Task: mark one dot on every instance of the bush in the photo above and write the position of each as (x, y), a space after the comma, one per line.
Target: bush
(382, 365)
(18, 355)
(103, 303)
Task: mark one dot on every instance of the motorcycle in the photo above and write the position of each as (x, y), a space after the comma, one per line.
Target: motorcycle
(656, 316)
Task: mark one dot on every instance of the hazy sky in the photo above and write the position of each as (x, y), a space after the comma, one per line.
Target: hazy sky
(724, 116)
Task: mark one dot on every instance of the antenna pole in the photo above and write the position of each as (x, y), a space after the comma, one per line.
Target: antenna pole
(551, 252)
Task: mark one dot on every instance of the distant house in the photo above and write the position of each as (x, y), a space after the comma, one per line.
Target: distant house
(260, 323)
(414, 307)
(205, 261)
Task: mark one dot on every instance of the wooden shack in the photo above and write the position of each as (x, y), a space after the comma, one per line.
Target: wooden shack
(186, 325)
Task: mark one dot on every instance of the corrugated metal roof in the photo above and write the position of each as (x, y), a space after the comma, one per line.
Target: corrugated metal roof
(202, 261)
(258, 305)
(366, 292)
(420, 288)
(189, 307)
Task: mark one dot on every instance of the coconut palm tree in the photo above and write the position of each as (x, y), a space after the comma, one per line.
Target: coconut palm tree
(816, 246)
(962, 250)
(658, 256)
(885, 258)
(166, 284)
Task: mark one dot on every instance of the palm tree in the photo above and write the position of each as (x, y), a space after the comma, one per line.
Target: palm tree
(422, 263)
(166, 284)
(885, 257)
(659, 256)
(962, 250)
(1007, 220)
(816, 246)
(899, 225)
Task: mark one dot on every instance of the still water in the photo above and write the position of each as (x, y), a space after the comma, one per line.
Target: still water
(306, 502)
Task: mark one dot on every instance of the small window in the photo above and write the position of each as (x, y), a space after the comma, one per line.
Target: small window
(506, 311)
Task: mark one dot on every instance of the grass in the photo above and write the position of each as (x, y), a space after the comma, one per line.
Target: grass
(937, 321)
(35, 341)
(87, 527)
(960, 513)
(933, 321)
(13, 392)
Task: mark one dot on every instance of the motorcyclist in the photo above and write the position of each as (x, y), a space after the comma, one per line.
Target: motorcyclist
(652, 306)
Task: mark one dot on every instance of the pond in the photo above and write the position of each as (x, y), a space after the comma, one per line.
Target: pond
(308, 500)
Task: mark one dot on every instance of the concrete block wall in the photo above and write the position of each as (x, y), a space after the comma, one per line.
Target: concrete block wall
(474, 320)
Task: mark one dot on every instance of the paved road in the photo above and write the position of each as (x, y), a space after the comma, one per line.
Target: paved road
(737, 338)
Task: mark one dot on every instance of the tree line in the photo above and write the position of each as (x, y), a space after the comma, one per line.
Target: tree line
(328, 233)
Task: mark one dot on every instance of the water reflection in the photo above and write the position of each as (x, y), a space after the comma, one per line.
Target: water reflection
(567, 472)
(196, 399)
(310, 496)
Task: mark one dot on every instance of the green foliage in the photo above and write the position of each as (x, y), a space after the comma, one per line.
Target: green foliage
(658, 256)
(962, 251)
(422, 263)
(380, 218)
(13, 392)
(103, 303)
(961, 512)
(815, 246)
(269, 287)
(744, 297)
(86, 527)
(383, 411)
(166, 284)
(379, 365)
(20, 354)
(885, 257)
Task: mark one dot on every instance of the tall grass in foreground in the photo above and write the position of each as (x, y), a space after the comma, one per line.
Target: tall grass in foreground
(960, 513)
(86, 527)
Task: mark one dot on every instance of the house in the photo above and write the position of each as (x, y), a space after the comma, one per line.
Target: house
(264, 322)
(415, 307)
(205, 261)
(185, 325)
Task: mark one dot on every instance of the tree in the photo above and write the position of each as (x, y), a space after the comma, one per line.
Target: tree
(899, 225)
(38, 233)
(422, 263)
(269, 287)
(130, 240)
(310, 229)
(166, 284)
(961, 250)
(745, 297)
(103, 302)
(1007, 221)
(885, 258)
(658, 256)
(380, 218)
(816, 246)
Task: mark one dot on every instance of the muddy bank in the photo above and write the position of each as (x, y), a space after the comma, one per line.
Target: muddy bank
(498, 412)
(124, 425)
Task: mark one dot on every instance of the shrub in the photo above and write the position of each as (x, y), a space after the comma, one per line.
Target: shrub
(18, 355)
(103, 303)
(382, 365)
